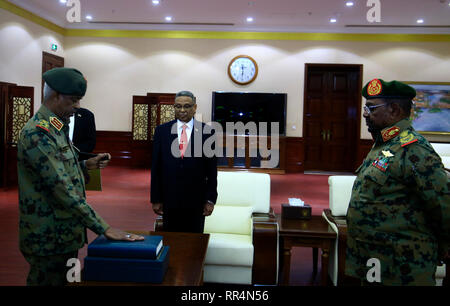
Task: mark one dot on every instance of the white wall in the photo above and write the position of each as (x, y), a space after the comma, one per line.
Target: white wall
(21, 45)
(118, 68)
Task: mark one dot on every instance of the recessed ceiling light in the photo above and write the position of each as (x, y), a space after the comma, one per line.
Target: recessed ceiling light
(333, 20)
(349, 3)
(155, 2)
(419, 20)
(63, 1)
(89, 17)
(249, 19)
(169, 18)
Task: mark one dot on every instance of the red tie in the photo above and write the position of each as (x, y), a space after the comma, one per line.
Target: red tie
(183, 141)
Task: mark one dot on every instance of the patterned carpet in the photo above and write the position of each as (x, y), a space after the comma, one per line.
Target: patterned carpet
(124, 203)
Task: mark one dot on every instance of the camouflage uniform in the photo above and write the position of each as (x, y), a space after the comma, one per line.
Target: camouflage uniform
(54, 214)
(399, 210)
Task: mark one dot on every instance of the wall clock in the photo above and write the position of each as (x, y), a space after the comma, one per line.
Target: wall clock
(242, 69)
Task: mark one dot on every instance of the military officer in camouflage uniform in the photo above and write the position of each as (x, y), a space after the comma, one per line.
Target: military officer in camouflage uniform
(399, 211)
(54, 214)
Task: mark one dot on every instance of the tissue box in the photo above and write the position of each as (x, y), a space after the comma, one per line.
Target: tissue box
(296, 212)
(127, 269)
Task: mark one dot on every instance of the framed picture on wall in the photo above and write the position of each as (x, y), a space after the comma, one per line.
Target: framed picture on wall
(431, 109)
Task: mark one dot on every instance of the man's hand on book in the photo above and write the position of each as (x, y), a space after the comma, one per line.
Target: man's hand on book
(117, 234)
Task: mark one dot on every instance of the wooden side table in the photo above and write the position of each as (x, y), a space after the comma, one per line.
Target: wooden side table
(314, 233)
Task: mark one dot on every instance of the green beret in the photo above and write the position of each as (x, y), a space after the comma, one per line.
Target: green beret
(377, 88)
(66, 81)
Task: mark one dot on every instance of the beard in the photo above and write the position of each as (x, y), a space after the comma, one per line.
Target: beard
(371, 127)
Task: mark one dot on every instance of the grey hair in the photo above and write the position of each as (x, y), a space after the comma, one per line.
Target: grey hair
(186, 93)
(48, 92)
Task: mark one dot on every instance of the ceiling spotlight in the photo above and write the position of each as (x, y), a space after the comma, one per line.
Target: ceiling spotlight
(419, 20)
(156, 2)
(349, 3)
(333, 20)
(249, 19)
(169, 18)
(89, 17)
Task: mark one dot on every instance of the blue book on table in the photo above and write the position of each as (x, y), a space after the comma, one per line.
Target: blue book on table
(148, 248)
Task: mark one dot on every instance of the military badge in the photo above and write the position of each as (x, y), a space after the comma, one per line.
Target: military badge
(407, 138)
(57, 124)
(374, 87)
(43, 124)
(387, 153)
(390, 133)
(381, 163)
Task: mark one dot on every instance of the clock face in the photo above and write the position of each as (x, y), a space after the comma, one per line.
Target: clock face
(243, 69)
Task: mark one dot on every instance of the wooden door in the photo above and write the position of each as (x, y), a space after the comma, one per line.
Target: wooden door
(331, 116)
(148, 112)
(17, 111)
(3, 103)
(50, 61)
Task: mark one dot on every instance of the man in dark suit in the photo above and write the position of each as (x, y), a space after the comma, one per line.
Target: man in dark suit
(83, 131)
(183, 175)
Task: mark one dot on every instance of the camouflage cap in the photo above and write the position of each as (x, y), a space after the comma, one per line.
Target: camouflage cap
(66, 81)
(377, 88)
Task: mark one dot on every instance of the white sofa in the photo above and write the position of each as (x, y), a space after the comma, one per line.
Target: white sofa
(340, 192)
(443, 150)
(243, 244)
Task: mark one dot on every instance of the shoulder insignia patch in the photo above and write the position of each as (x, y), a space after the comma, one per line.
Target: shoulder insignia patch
(57, 124)
(407, 138)
(390, 133)
(43, 124)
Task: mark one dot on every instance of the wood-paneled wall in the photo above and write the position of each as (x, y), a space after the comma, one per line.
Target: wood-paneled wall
(119, 145)
(295, 154)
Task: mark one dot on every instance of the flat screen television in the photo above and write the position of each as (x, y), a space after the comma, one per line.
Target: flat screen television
(249, 106)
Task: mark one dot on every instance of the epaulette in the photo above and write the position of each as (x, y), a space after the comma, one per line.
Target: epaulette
(390, 133)
(407, 138)
(57, 124)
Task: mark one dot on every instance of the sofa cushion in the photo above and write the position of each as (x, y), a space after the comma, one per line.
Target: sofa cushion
(244, 189)
(446, 161)
(227, 274)
(229, 220)
(229, 249)
(442, 149)
(340, 192)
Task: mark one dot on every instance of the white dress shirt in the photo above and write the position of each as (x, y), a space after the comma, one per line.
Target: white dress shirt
(189, 128)
(71, 126)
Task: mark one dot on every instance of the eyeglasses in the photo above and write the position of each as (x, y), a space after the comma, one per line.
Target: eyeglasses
(367, 109)
(186, 106)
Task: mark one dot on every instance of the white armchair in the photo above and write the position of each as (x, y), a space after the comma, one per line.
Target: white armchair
(340, 193)
(243, 244)
(443, 150)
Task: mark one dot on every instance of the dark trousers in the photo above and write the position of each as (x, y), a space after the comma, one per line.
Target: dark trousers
(48, 270)
(183, 220)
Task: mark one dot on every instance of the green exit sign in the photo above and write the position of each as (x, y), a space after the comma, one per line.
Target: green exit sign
(54, 47)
